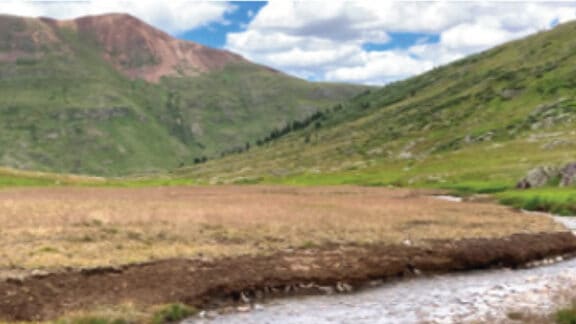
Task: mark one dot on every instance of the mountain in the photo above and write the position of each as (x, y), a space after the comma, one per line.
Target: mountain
(484, 119)
(111, 95)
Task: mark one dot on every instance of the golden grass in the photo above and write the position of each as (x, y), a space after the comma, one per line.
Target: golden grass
(79, 227)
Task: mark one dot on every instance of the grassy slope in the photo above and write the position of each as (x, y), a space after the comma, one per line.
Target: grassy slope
(487, 118)
(64, 109)
(476, 125)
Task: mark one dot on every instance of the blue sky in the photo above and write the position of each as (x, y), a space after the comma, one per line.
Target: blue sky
(214, 35)
(402, 41)
(359, 41)
(237, 20)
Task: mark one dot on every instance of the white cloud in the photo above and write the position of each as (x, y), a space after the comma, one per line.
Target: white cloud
(318, 57)
(173, 16)
(380, 67)
(323, 40)
(477, 36)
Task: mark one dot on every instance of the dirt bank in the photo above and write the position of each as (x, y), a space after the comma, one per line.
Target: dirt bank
(221, 282)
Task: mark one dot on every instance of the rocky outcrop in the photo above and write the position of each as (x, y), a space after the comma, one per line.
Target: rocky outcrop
(549, 175)
(568, 175)
(538, 177)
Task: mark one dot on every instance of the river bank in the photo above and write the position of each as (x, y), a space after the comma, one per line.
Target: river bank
(530, 294)
(69, 251)
(241, 280)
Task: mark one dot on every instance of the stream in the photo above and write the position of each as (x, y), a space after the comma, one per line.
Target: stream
(471, 297)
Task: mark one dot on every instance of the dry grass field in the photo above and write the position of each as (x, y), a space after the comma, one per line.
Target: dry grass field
(54, 228)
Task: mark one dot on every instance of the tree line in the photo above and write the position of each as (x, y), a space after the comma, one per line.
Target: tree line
(314, 119)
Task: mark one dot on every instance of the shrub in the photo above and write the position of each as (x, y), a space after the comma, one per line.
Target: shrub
(566, 316)
(173, 313)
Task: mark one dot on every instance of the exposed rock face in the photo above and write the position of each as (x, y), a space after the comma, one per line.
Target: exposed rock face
(23, 37)
(568, 175)
(544, 175)
(538, 177)
(140, 50)
(135, 48)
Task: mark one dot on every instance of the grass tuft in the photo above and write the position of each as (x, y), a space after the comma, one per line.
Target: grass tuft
(566, 316)
(559, 201)
(173, 313)
(93, 320)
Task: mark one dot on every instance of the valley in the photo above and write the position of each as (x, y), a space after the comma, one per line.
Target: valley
(148, 179)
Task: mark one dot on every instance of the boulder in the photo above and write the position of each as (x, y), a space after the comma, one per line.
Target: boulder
(538, 177)
(568, 175)
(544, 175)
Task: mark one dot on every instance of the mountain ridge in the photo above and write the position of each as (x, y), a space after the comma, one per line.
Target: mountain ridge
(79, 97)
(139, 50)
(489, 117)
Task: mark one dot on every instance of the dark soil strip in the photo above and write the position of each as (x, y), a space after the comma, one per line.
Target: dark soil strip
(220, 282)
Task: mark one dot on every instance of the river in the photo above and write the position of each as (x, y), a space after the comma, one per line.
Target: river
(471, 297)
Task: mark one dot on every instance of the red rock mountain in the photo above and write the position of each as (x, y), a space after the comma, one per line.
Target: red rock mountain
(135, 48)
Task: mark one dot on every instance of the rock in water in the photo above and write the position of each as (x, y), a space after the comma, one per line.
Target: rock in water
(568, 175)
(538, 177)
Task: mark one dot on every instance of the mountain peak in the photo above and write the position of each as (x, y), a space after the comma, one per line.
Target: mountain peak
(142, 51)
(135, 48)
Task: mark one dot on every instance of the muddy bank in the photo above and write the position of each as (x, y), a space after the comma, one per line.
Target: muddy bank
(208, 284)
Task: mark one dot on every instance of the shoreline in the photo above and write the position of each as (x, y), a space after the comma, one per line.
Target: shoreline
(242, 280)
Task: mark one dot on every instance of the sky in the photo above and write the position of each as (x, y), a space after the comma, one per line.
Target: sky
(358, 41)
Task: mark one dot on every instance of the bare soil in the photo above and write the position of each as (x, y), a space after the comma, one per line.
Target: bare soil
(219, 282)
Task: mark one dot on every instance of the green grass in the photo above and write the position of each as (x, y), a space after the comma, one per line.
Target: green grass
(15, 181)
(173, 313)
(130, 314)
(566, 316)
(149, 182)
(468, 188)
(554, 200)
(10, 178)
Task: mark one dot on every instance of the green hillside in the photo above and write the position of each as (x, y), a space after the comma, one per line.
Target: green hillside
(481, 121)
(65, 108)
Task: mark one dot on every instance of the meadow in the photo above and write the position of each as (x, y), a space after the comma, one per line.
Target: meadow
(89, 227)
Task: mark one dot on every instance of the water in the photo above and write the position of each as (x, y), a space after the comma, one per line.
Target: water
(480, 296)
